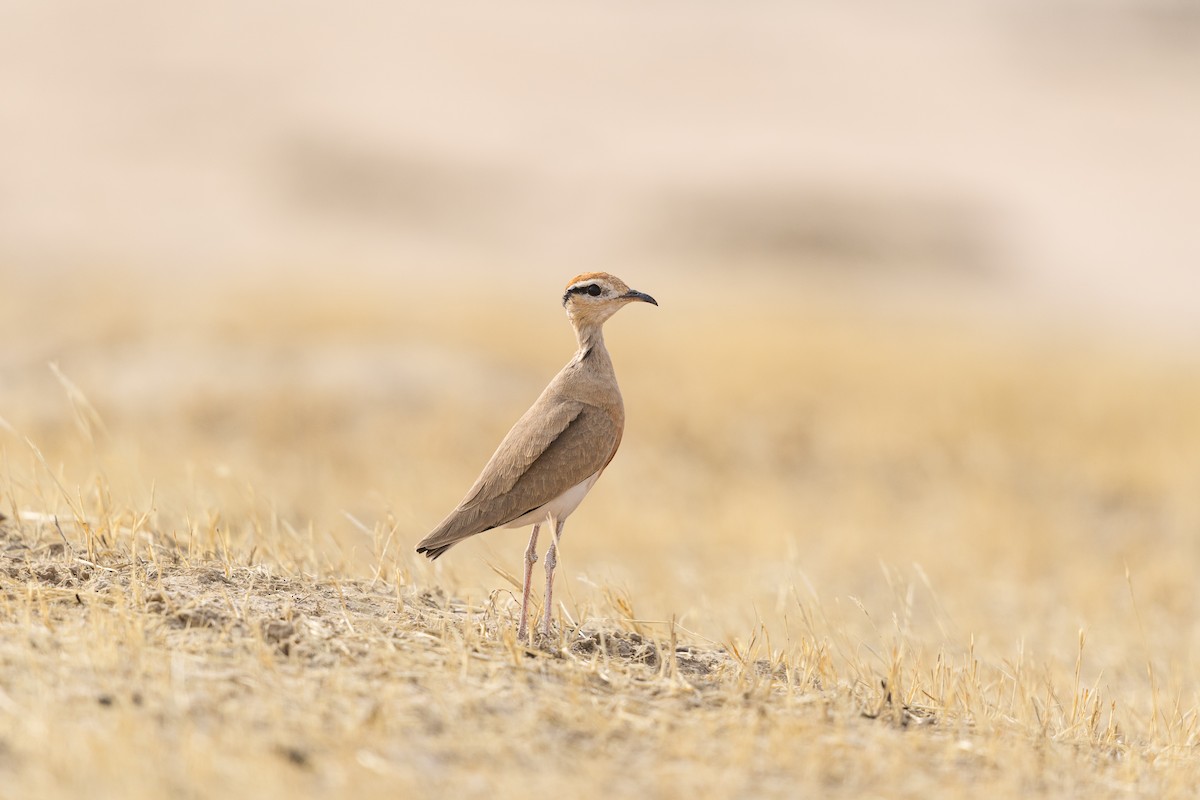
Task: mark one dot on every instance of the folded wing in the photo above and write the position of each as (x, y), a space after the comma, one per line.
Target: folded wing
(545, 454)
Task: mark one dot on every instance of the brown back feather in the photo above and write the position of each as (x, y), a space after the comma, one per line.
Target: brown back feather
(553, 447)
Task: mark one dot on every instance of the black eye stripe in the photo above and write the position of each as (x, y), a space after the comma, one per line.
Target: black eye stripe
(592, 289)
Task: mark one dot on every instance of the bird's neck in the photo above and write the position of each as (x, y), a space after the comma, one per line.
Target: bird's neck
(591, 340)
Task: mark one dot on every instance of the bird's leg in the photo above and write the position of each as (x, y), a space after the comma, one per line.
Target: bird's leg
(551, 561)
(530, 560)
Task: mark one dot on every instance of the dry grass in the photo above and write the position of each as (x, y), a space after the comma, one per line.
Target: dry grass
(839, 554)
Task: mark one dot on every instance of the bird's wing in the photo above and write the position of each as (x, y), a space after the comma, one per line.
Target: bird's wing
(552, 448)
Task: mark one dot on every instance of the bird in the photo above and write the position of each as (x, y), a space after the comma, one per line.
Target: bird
(555, 453)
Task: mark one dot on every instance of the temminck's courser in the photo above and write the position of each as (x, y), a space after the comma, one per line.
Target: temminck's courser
(553, 455)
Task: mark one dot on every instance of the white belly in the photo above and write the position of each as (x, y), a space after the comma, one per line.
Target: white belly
(559, 508)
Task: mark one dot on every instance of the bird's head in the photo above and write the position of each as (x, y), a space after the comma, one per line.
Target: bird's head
(593, 297)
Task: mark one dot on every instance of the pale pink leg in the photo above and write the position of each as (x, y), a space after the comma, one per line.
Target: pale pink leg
(551, 561)
(530, 560)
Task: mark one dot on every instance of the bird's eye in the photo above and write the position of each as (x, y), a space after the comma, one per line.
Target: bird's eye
(594, 290)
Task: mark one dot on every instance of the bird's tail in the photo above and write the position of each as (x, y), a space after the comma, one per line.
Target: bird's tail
(460, 524)
(432, 552)
(444, 536)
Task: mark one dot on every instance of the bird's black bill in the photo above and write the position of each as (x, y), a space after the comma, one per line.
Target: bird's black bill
(633, 294)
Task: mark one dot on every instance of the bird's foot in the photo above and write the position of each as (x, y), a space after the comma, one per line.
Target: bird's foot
(540, 641)
(547, 642)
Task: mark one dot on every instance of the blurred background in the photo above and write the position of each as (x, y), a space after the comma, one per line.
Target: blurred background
(1041, 156)
(928, 275)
